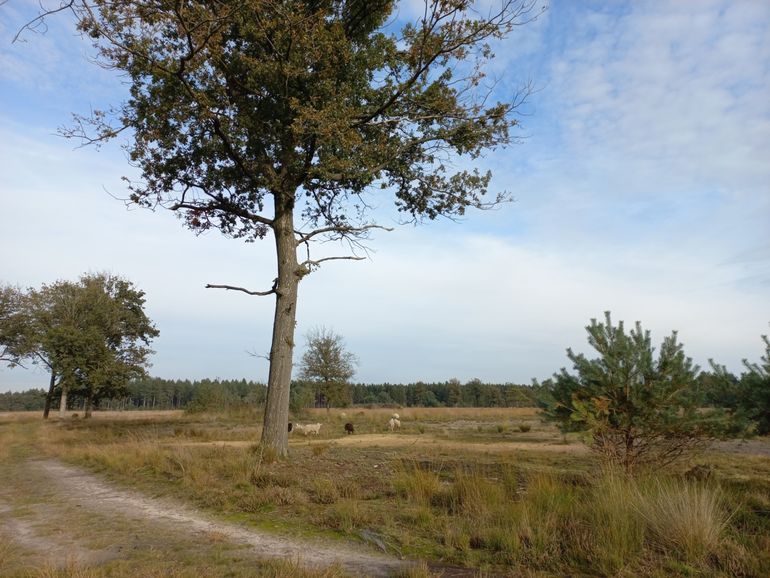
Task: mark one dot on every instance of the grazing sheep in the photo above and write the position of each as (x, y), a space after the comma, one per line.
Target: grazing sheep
(312, 428)
(349, 428)
(394, 424)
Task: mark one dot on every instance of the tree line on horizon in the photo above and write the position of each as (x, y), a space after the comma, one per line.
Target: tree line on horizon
(155, 393)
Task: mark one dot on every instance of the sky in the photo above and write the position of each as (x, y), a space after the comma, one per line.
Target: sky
(641, 180)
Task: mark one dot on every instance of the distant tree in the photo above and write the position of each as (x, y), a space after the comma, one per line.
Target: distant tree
(454, 392)
(262, 117)
(636, 410)
(748, 397)
(472, 393)
(212, 396)
(92, 335)
(327, 364)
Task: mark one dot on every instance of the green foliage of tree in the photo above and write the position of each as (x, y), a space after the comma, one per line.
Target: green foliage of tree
(92, 335)
(329, 366)
(637, 410)
(281, 117)
(747, 397)
(14, 344)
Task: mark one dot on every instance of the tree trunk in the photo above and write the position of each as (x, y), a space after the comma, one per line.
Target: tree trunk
(49, 395)
(275, 433)
(63, 403)
(89, 404)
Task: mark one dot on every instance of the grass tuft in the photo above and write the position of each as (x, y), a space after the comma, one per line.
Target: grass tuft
(324, 491)
(689, 518)
(320, 449)
(416, 484)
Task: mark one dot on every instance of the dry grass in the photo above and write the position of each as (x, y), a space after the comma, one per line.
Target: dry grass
(472, 490)
(688, 518)
(97, 415)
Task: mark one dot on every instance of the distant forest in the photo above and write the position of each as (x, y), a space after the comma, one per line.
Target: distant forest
(158, 394)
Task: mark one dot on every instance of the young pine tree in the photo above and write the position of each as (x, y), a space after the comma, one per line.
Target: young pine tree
(636, 409)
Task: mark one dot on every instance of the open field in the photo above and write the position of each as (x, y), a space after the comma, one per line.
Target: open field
(488, 492)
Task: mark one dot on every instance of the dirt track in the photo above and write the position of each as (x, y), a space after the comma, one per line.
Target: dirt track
(50, 482)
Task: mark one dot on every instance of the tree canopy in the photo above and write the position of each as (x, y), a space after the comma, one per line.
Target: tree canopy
(13, 348)
(92, 335)
(636, 409)
(287, 117)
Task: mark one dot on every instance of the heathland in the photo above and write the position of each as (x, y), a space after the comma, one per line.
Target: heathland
(453, 491)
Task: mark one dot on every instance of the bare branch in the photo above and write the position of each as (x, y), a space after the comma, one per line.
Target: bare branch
(317, 263)
(259, 355)
(233, 288)
(39, 20)
(225, 206)
(342, 231)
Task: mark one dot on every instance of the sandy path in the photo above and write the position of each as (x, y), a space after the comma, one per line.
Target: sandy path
(85, 490)
(418, 441)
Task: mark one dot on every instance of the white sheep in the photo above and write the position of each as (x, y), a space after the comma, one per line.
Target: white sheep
(312, 428)
(394, 423)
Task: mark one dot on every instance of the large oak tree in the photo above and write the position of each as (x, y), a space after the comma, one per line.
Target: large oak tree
(283, 117)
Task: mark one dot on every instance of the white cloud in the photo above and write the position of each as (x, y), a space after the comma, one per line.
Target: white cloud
(676, 90)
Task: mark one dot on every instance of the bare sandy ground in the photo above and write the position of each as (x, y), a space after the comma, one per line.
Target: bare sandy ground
(415, 441)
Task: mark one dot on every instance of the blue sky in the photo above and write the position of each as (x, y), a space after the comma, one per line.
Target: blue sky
(642, 186)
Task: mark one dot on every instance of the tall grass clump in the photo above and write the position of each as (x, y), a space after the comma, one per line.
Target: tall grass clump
(416, 484)
(546, 520)
(419, 570)
(684, 517)
(472, 494)
(618, 531)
